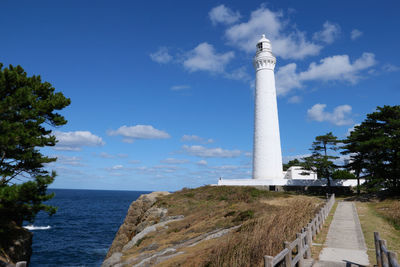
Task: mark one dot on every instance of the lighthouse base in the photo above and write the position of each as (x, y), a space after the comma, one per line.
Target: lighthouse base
(286, 182)
(294, 176)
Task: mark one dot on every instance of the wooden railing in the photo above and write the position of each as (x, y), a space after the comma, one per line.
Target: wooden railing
(384, 257)
(301, 246)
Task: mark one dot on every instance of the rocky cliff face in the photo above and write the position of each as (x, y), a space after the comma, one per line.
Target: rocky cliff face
(141, 214)
(16, 246)
(208, 226)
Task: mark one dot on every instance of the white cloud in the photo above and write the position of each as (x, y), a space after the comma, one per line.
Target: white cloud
(74, 141)
(167, 167)
(202, 162)
(390, 68)
(286, 44)
(106, 155)
(72, 161)
(332, 68)
(286, 159)
(174, 161)
(294, 99)
(239, 74)
(201, 151)
(248, 154)
(117, 167)
(351, 129)
(338, 68)
(180, 87)
(339, 116)
(134, 161)
(161, 56)
(222, 14)
(287, 79)
(195, 138)
(158, 170)
(130, 133)
(226, 167)
(118, 170)
(355, 34)
(70, 171)
(329, 33)
(204, 58)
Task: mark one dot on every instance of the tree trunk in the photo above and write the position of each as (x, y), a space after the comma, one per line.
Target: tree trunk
(329, 184)
(327, 172)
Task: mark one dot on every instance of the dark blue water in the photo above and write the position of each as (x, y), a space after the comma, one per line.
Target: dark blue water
(83, 228)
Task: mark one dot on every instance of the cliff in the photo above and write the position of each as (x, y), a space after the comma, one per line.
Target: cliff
(140, 214)
(208, 226)
(15, 245)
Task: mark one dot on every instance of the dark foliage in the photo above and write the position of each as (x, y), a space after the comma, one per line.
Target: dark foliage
(374, 149)
(27, 106)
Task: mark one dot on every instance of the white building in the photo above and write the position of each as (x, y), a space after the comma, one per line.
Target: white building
(267, 155)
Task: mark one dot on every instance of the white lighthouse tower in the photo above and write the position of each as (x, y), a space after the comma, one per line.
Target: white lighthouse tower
(267, 155)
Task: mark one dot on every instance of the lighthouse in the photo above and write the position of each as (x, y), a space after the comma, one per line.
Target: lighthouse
(267, 155)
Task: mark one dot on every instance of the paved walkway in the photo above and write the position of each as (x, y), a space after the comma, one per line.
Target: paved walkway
(344, 245)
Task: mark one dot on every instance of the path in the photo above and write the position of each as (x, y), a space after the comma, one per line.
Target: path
(344, 245)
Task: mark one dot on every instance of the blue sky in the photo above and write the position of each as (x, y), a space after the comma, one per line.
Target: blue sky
(162, 91)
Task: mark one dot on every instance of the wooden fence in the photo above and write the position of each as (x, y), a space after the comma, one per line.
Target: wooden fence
(384, 257)
(300, 248)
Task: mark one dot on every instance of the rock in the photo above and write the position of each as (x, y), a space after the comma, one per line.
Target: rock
(151, 216)
(152, 246)
(146, 258)
(113, 260)
(138, 211)
(148, 230)
(16, 245)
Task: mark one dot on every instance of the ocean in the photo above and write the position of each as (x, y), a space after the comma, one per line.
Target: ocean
(83, 228)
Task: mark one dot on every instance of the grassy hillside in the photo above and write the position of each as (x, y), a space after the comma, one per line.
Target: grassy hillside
(264, 219)
(383, 217)
(388, 209)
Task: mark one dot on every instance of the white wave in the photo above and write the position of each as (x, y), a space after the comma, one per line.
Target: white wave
(32, 227)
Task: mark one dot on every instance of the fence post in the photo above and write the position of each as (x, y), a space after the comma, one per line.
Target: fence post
(392, 259)
(314, 227)
(322, 220)
(268, 261)
(384, 256)
(288, 257)
(309, 241)
(323, 214)
(319, 222)
(300, 250)
(377, 249)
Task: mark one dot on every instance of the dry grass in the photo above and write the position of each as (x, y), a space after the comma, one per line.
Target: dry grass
(261, 236)
(388, 209)
(371, 215)
(266, 218)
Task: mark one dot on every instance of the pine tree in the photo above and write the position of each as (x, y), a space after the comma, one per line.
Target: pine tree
(27, 106)
(374, 149)
(320, 161)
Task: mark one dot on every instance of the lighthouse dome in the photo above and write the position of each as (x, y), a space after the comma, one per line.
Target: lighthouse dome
(264, 44)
